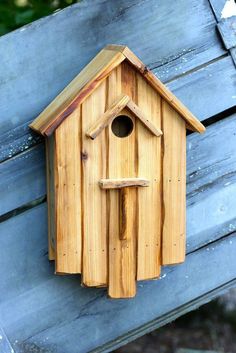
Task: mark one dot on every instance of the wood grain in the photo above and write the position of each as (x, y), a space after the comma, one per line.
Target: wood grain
(41, 288)
(126, 218)
(120, 103)
(122, 183)
(77, 91)
(174, 102)
(107, 117)
(195, 280)
(121, 163)
(91, 76)
(27, 234)
(143, 118)
(68, 195)
(174, 186)
(94, 154)
(50, 169)
(149, 199)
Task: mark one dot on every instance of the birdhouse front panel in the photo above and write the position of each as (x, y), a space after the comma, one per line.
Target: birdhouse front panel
(116, 177)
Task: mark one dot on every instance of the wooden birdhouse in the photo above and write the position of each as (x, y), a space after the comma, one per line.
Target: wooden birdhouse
(116, 173)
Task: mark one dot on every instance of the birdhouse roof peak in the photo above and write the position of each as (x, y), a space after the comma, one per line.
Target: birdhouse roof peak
(88, 80)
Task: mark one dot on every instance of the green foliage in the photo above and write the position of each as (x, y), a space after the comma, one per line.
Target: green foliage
(16, 13)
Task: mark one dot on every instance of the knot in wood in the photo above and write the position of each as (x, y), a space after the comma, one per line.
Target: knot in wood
(84, 156)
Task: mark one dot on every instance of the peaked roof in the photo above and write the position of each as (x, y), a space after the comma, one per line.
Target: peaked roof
(91, 76)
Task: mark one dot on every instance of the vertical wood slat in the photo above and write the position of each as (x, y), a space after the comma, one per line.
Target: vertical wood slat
(174, 186)
(127, 216)
(50, 149)
(149, 199)
(94, 200)
(122, 253)
(68, 193)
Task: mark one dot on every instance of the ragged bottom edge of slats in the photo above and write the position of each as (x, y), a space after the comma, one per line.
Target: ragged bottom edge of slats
(94, 285)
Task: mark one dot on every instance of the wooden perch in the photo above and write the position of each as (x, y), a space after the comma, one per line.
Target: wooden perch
(122, 183)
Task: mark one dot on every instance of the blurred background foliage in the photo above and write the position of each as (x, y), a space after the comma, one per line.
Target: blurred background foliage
(17, 13)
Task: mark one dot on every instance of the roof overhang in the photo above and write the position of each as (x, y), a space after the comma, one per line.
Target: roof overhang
(90, 78)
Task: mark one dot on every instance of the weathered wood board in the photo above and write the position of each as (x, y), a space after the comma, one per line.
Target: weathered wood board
(207, 171)
(90, 20)
(198, 44)
(208, 168)
(55, 329)
(42, 312)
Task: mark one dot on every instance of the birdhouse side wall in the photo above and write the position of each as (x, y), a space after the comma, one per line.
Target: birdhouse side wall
(50, 166)
(174, 186)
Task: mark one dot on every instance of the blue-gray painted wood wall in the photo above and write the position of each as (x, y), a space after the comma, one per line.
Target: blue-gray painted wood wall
(179, 41)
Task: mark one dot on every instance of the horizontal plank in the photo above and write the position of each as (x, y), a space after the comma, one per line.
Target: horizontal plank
(211, 181)
(29, 53)
(202, 90)
(22, 179)
(209, 168)
(194, 89)
(122, 183)
(17, 140)
(43, 310)
(24, 252)
(211, 186)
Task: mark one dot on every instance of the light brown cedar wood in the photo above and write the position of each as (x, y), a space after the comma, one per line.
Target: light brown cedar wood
(122, 183)
(193, 123)
(143, 118)
(120, 103)
(174, 186)
(127, 213)
(149, 199)
(50, 149)
(121, 164)
(90, 78)
(68, 194)
(77, 91)
(94, 156)
(107, 117)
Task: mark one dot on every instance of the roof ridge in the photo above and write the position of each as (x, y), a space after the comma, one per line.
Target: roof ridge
(89, 79)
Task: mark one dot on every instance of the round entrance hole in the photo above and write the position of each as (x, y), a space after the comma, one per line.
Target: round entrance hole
(122, 126)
